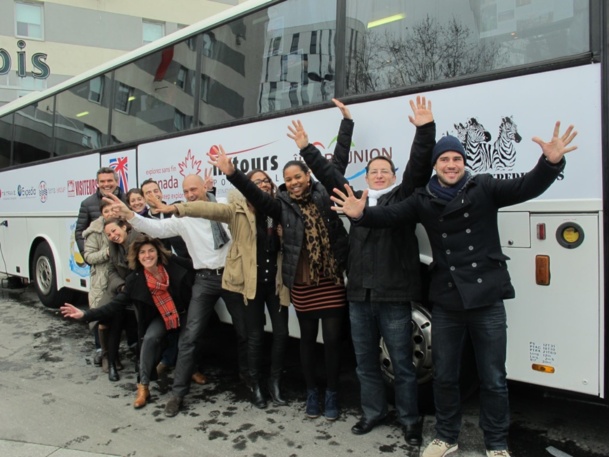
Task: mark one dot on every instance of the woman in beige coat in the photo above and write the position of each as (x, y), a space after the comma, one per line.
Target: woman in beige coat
(97, 255)
(253, 269)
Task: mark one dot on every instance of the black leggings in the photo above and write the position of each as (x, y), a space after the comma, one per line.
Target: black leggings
(331, 328)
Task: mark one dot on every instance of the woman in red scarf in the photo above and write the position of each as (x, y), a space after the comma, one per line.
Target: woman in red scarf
(160, 289)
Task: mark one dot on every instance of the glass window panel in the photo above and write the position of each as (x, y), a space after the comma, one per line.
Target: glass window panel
(6, 138)
(398, 43)
(33, 134)
(28, 20)
(152, 31)
(275, 59)
(81, 116)
(150, 90)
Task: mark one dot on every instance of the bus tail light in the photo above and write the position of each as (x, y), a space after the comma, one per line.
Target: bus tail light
(541, 231)
(542, 270)
(543, 368)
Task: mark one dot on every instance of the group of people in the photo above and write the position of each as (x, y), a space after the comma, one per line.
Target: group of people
(267, 247)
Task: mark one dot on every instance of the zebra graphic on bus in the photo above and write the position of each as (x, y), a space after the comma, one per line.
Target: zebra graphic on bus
(484, 156)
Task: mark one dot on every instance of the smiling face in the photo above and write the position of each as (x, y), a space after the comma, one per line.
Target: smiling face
(107, 212)
(194, 188)
(107, 183)
(152, 189)
(148, 256)
(262, 181)
(115, 233)
(380, 175)
(450, 168)
(296, 180)
(137, 202)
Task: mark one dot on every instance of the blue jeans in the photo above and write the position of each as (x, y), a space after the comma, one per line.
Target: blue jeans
(206, 291)
(392, 321)
(488, 331)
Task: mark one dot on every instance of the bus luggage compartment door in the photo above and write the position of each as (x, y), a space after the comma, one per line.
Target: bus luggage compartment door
(555, 330)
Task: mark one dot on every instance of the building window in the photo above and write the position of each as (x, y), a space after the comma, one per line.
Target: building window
(29, 20)
(152, 31)
(181, 78)
(124, 97)
(96, 89)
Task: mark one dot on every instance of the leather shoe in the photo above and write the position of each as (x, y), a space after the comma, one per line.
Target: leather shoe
(364, 426)
(199, 378)
(413, 433)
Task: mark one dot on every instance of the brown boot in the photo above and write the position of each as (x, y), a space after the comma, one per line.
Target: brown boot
(143, 394)
(104, 333)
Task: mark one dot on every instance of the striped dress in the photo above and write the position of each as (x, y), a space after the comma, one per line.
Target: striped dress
(317, 301)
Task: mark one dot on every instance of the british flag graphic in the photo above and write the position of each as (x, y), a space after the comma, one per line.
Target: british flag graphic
(121, 166)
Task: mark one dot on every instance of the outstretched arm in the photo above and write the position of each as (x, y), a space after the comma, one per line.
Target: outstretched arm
(119, 209)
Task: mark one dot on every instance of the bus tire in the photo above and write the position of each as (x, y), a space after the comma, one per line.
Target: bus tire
(45, 276)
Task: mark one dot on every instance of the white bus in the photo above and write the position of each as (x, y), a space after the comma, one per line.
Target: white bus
(498, 73)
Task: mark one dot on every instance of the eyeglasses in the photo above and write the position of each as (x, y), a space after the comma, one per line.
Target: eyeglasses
(383, 171)
(261, 181)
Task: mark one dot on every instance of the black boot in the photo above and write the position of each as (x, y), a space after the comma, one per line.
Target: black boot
(113, 373)
(258, 399)
(273, 385)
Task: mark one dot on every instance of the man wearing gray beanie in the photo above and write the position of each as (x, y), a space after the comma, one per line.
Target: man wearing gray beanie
(469, 278)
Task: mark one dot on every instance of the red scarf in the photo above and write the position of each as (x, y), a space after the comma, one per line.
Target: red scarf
(162, 299)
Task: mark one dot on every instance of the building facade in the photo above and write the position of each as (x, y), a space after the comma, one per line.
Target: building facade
(43, 43)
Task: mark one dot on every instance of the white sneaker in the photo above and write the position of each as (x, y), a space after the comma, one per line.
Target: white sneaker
(438, 448)
(502, 453)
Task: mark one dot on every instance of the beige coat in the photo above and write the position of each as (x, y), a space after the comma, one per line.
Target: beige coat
(240, 271)
(97, 256)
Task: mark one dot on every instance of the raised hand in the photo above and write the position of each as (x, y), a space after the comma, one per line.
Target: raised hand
(208, 182)
(221, 161)
(157, 206)
(119, 209)
(298, 134)
(68, 310)
(348, 203)
(556, 148)
(343, 108)
(421, 111)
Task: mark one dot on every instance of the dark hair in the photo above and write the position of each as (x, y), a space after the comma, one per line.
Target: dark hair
(296, 163)
(135, 190)
(138, 243)
(106, 171)
(119, 222)
(386, 159)
(148, 181)
(103, 203)
(258, 170)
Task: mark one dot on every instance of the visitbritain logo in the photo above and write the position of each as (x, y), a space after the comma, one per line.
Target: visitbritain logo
(82, 187)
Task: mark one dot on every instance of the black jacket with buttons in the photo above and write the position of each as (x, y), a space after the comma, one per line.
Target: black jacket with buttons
(469, 268)
(288, 213)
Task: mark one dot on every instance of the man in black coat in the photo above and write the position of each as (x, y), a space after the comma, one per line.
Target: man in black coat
(107, 183)
(469, 277)
(383, 270)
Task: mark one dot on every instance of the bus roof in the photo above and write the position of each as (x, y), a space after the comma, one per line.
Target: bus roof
(149, 48)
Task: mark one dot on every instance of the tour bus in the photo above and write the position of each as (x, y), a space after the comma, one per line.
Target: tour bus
(498, 73)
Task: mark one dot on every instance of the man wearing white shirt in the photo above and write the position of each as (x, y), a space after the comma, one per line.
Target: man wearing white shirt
(208, 243)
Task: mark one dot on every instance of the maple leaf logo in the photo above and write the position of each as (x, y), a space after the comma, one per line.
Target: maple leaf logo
(190, 165)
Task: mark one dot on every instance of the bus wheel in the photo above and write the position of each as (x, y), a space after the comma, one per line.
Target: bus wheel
(421, 347)
(45, 277)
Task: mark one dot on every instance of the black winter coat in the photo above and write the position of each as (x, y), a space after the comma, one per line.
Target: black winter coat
(136, 292)
(288, 213)
(88, 212)
(384, 261)
(469, 269)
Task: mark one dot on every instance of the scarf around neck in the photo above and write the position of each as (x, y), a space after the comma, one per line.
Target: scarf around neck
(317, 241)
(159, 289)
(218, 232)
(446, 193)
(374, 195)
